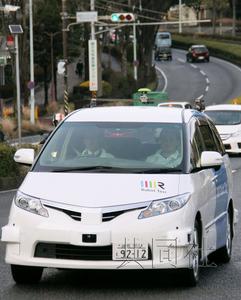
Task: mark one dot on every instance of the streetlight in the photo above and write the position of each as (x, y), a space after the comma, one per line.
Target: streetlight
(15, 30)
(32, 99)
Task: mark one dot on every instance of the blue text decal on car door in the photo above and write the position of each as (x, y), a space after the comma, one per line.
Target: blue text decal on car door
(221, 205)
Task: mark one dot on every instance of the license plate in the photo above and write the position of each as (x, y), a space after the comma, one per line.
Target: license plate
(200, 57)
(130, 251)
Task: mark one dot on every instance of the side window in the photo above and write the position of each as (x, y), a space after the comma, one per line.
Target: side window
(196, 146)
(218, 140)
(208, 139)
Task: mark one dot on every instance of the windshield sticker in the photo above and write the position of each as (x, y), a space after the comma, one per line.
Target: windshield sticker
(153, 186)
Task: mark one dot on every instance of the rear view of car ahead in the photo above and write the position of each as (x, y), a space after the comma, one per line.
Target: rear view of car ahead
(197, 53)
(163, 53)
(227, 119)
(123, 188)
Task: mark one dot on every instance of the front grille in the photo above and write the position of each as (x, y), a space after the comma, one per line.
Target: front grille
(66, 251)
(75, 215)
(111, 215)
(227, 146)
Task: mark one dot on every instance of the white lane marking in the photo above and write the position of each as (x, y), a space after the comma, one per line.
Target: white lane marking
(165, 78)
(207, 88)
(207, 80)
(202, 72)
(8, 191)
(228, 63)
(181, 60)
(200, 97)
(193, 66)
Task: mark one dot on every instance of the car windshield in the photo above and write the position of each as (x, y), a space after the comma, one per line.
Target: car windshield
(113, 147)
(200, 49)
(220, 117)
(164, 36)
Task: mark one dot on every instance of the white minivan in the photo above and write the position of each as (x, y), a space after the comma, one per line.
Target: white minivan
(123, 188)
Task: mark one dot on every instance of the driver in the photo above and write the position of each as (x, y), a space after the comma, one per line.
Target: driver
(93, 146)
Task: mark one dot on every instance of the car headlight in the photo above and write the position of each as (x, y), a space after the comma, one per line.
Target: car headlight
(163, 206)
(30, 204)
(237, 133)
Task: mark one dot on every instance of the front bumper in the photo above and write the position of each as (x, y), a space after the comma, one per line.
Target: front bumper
(168, 237)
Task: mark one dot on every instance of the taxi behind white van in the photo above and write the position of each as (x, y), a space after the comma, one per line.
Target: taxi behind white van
(121, 207)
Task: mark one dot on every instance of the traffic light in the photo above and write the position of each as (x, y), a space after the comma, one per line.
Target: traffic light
(122, 17)
(61, 67)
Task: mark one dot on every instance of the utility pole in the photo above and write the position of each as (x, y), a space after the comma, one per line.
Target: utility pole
(234, 18)
(180, 16)
(94, 46)
(65, 57)
(32, 98)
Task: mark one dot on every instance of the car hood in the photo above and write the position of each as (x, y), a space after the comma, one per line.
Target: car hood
(228, 129)
(99, 190)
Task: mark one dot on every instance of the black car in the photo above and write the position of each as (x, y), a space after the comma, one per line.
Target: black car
(163, 53)
(197, 53)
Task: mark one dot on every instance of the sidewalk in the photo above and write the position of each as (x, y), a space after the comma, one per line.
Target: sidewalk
(73, 79)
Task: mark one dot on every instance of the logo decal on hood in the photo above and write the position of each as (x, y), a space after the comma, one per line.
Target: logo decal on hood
(153, 186)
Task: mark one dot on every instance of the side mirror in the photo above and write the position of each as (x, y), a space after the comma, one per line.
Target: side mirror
(211, 159)
(24, 156)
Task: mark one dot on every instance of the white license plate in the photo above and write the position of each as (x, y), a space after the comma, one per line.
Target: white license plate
(200, 57)
(130, 251)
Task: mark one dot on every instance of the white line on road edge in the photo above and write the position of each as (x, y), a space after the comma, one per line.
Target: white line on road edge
(202, 72)
(165, 78)
(8, 191)
(194, 66)
(228, 63)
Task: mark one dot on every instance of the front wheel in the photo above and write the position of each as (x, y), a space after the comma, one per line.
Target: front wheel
(224, 254)
(26, 274)
(192, 274)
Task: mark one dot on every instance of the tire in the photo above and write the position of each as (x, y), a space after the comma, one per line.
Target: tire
(26, 274)
(224, 254)
(192, 273)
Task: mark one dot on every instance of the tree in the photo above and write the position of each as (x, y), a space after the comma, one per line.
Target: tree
(217, 7)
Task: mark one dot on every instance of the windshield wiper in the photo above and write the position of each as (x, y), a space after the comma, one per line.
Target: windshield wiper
(160, 171)
(117, 170)
(90, 168)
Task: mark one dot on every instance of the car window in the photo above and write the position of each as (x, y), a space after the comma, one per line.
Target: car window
(208, 139)
(217, 139)
(197, 146)
(115, 145)
(220, 117)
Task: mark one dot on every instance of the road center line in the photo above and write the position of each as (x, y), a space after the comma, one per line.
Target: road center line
(194, 66)
(164, 76)
(181, 60)
(207, 88)
(202, 72)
